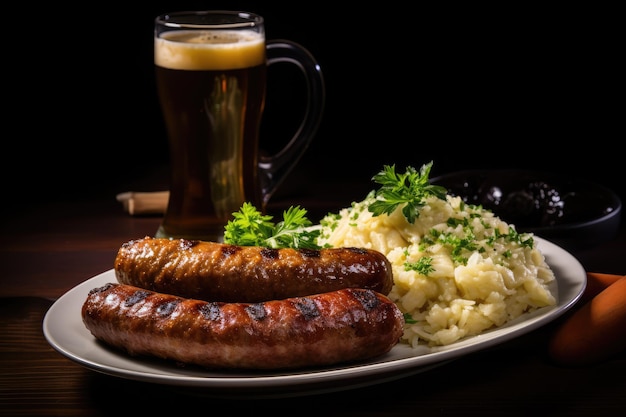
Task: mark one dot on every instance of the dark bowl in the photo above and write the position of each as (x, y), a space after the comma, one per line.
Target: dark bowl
(572, 213)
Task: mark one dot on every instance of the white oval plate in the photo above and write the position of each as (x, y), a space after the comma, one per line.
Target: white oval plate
(65, 331)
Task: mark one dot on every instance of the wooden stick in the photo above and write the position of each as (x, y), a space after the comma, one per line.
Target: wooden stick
(144, 202)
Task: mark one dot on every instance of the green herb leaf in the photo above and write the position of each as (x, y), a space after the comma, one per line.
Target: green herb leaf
(409, 189)
(423, 265)
(408, 319)
(250, 227)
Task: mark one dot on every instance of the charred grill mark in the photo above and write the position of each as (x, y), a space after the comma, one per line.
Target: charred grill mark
(360, 251)
(167, 308)
(256, 311)
(307, 308)
(228, 250)
(136, 297)
(210, 311)
(367, 298)
(269, 253)
(310, 253)
(185, 244)
(101, 289)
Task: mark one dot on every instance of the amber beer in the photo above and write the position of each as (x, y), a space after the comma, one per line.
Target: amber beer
(211, 87)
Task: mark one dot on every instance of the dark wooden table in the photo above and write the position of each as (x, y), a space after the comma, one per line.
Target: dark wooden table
(49, 248)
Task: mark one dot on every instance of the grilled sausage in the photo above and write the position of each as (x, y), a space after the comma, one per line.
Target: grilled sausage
(324, 329)
(220, 272)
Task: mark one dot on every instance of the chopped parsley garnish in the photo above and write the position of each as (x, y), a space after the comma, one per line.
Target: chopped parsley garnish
(408, 319)
(423, 265)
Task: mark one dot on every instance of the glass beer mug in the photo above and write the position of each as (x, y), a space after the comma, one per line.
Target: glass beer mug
(211, 75)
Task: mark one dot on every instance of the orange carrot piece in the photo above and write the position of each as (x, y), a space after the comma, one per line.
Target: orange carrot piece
(596, 283)
(595, 332)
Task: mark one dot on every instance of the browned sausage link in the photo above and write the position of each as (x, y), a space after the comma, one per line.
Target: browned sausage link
(219, 272)
(324, 329)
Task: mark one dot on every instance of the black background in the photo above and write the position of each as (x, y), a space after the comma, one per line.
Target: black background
(463, 87)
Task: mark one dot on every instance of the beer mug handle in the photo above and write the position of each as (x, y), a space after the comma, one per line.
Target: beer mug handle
(273, 169)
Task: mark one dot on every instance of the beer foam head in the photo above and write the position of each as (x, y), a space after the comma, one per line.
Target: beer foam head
(209, 50)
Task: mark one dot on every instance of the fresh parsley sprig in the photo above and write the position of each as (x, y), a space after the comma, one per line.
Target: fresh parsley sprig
(250, 227)
(410, 189)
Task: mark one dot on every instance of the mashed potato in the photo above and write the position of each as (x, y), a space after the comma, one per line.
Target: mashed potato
(458, 269)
